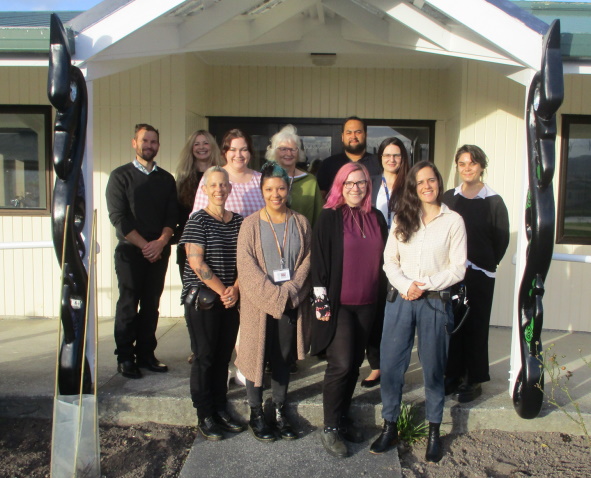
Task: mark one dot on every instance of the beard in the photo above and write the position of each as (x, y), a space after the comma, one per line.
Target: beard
(355, 149)
(146, 154)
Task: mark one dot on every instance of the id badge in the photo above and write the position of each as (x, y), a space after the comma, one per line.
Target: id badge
(281, 275)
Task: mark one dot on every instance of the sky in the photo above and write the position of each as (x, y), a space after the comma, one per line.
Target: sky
(47, 5)
(81, 5)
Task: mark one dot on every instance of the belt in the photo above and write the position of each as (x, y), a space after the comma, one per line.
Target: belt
(437, 294)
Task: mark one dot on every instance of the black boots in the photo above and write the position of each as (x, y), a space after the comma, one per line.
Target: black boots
(258, 425)
(434, 447)
(387, 439)
(210, 429)
(333, 442)
(282, 424)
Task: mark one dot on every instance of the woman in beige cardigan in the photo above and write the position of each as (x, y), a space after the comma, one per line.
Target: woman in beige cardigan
(273, 267)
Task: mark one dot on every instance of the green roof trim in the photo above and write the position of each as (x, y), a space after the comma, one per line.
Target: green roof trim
(27, 33)
(575, 24)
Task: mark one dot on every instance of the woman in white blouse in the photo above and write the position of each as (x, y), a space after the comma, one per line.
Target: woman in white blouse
(424, 256)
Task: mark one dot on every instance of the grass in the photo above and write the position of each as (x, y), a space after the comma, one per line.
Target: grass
(557, 389)
(411, 428)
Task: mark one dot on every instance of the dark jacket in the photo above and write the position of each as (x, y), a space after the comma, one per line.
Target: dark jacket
(327, 271)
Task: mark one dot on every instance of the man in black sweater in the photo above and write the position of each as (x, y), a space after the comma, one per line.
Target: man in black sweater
(354, 143)
(142, 205)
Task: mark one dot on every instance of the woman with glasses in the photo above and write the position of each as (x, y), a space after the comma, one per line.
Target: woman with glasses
(274, 266)
(386, 189)
(425, 255)
(286, 150)
(348, 241)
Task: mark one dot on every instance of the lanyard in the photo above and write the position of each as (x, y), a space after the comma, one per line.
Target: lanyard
(279, 249)
(388, 203)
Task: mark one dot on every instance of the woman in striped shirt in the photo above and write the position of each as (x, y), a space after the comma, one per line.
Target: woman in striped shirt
(210, 238)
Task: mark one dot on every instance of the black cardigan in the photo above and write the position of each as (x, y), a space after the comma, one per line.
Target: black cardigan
(327, 271)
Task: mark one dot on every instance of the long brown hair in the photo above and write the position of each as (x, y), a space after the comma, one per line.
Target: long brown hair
(408, 219)
(402, 172)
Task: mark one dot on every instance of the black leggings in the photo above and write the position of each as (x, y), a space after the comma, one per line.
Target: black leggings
(280, 347)
(344, 356)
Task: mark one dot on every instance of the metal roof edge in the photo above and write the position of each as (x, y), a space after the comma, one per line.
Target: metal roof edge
(530, 21)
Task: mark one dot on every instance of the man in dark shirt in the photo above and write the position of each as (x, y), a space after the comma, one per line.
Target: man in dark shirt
(142, 205)
(354, 142)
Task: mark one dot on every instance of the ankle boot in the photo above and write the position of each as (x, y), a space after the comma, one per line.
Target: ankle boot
(282, 424)
(258, 425)
(387, 439)
(434, 446)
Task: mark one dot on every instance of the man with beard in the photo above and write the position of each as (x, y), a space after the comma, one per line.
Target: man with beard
(142, 205)
(353, 136)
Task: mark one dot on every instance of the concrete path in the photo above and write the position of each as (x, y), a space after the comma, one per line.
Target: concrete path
(27, 372)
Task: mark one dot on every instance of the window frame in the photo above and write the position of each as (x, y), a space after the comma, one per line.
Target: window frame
(218, 125)
(561, 235)
(46, 112)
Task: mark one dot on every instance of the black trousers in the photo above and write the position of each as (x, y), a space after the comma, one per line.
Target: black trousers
(280, 353)
(181, 257)
(214, 334)
(140, 285)
(373, 344)
(468, 348)
(344, 356)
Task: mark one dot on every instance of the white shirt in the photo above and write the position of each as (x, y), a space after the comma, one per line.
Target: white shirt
(436, 254)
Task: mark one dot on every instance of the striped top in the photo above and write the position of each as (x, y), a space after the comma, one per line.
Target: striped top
(219, 241)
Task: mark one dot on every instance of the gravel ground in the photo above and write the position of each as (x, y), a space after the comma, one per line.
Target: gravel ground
(152, 450)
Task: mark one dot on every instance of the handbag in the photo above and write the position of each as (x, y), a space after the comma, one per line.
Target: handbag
(460, 306)
(200, 297)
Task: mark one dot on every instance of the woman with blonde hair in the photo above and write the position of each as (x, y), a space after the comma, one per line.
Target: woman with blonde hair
(286, 149)
(199, 153)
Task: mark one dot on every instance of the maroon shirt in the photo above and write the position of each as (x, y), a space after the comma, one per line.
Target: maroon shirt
(361, 257)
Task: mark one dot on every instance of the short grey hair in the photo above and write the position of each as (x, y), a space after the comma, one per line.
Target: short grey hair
(214, 169)
(287, 134)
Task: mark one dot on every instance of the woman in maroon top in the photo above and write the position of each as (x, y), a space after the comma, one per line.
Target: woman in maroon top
(347, 257)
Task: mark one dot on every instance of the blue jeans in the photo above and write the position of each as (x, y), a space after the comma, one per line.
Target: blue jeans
(429, 316)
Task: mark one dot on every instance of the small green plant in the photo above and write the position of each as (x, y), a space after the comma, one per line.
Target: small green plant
(558, 379)
(410, 427)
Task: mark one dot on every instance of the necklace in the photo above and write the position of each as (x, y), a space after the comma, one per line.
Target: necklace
(218, 216)
(354, 219)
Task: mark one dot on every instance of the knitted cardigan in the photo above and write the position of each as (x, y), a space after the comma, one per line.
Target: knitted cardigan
(260, 297)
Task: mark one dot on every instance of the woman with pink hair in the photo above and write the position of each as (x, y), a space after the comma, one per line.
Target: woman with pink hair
(347, 247)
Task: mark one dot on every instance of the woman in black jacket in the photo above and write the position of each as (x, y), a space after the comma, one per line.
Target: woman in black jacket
(347, 275)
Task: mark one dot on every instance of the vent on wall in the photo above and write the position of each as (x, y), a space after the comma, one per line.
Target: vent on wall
(323, 59)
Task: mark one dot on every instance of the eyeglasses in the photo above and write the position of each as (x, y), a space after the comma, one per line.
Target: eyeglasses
(392, 156)
(288, 150)
(352, 184)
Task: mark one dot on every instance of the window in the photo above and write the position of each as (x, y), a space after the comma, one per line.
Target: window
(322, 136)
(574, 202)
(25, 152)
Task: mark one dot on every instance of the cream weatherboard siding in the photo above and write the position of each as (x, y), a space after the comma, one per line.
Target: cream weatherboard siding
(30, 278)
(154, 93)
(567, 301)
(471, 103)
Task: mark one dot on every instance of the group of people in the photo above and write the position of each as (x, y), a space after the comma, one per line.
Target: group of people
(270, 265)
